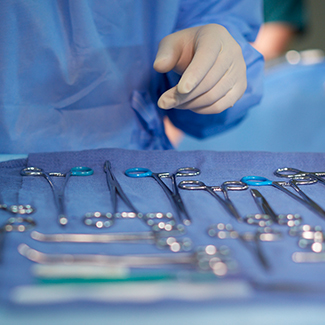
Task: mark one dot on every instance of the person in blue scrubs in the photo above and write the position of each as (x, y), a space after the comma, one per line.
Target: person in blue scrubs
(84, 74)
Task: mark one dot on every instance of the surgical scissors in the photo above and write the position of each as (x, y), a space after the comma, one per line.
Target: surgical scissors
(173, 195)
(58, 194)
(225, 186)
(303, 198)
(294, 173)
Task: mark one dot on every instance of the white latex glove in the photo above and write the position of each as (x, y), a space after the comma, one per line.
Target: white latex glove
(212, 67)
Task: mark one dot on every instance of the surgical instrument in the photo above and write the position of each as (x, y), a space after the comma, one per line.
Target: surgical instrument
(16, 208)
(58, 194)
(160, 239)
(98, 219)
(224, 188)
(305, 231)
(303, 198)
(224, 231)
(106, 220)
(309, 237)
(156, 221)
(162, 222)
(94, 238)
(268, 216)
(173, 195)
(20, 209)
(116, 189)
(208, 258)
(308, 257)
(19, 224)
(294, 173)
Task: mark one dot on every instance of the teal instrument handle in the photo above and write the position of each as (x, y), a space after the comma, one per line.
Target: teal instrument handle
(81, 171)
(256, 180)
(138, 172)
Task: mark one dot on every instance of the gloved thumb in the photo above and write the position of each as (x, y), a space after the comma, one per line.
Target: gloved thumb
(168, 55)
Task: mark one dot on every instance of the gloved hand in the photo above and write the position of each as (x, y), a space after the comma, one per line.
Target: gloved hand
(212, 67)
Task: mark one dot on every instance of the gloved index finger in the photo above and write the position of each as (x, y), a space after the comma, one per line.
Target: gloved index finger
(206, 52)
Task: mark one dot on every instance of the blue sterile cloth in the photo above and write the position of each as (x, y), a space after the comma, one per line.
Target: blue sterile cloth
(90, 193)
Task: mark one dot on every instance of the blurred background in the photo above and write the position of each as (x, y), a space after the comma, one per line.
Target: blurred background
(314, 36)
(291, 115)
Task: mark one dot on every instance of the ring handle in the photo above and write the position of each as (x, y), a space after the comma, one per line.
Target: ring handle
(32, 171)
(289, 172)
(192, 185)
(81, 171)
(234, 185)
(256, 180)
(138, 172)
(187, 171)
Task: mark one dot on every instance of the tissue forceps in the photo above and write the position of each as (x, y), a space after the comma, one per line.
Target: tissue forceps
(58, 193)
(225, 186)
(173, 195)
(294, 173)
(303, 198)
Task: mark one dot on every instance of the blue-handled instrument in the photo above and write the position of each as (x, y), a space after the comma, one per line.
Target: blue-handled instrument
(268, 216)
(292, 182)
(58, 193)
(172, 194)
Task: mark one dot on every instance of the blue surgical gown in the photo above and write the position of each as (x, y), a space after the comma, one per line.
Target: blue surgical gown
(77, 74)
